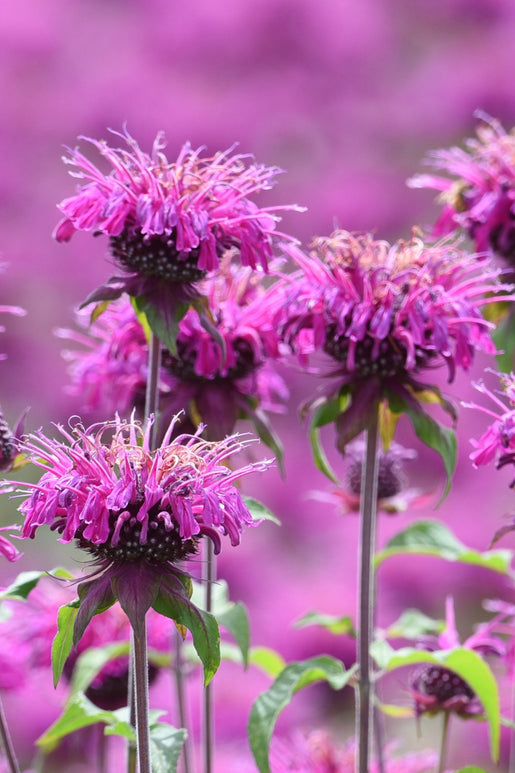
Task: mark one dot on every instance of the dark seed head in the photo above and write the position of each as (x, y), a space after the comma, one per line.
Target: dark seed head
(155, 256)
(443, 684)
(7, 447)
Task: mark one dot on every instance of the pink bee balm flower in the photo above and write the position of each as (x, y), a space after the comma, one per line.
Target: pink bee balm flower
(436, 688)
(169, 222)
(137, 512)
(217, 377)
(7, 549)
(479, 194)
(498, 441)
(385, 314)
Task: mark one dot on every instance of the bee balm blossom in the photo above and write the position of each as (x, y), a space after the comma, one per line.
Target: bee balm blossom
(385, 314)
(170, 222)
(216, 385)
(479, 193)
(136, 512)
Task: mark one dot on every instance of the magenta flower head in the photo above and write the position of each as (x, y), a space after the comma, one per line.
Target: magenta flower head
(169, 222)
(218, 376)
(136, 512)
(393, 493)
(479, 193)
(385, 315)
(436, 688)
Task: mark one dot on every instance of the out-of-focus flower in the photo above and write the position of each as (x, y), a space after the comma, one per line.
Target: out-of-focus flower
(16, 310)
(435, 688)
(137, 512)
(170, 222)
(393, 494)
(479, 195)
(498, 441)
(317, 753)
(385, 314)
(29, 627)
(215, 379)
(7, 549)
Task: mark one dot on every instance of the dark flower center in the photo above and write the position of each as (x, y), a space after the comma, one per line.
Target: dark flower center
(389, 361)
(183, 366)
(390, 477)
(109, 689)
(502, 239)
(163, 544)
(443, 684)
(155, 256)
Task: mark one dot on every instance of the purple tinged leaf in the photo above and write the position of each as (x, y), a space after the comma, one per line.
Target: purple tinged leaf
(95, 596)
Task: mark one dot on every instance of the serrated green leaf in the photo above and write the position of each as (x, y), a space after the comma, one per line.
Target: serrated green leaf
(268, 706)
(472, 669)
(166, 743)
(259, 511)
(235, 619)
(413, 623)
(432, 538)
(267, 660)
(63, 640)
(120, 725)
(173, 603)
(335, 624)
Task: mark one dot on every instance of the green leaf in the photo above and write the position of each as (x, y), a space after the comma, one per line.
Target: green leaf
(25, 582)
(266, 433)
(259, 511)
(333, 623)
(327, 412)
(472, 669)
(172, 602)
(165, 747)
(412, 623)
(471, 769)
(267, 660)
(399, 712)
(432, 538)
(120, 725)
(504, 339)
(268, 706)
(63, 640)
(163, 315)
(234, 618)
(436, 436)
(79, 712)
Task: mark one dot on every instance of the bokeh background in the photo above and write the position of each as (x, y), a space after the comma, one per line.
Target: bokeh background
(347, 97)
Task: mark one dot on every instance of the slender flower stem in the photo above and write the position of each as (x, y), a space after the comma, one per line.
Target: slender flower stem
(7, 744)
(152, 391)
(443, 744)
(131, 701)
(181, 702)
(365, 693)
(142, 711)
(208, 739)
(101, 749)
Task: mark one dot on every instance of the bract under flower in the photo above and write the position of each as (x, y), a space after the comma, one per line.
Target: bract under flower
(479, 195)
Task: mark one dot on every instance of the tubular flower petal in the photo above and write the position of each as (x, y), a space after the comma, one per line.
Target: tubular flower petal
(498, 441)
(170, 222)
(125, 504)
(479, 194)
(388, 311)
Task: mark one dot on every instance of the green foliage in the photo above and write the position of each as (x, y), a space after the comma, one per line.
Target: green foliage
(25, 582)
(338, 625)
(412, 623)
(259, 511)
(432, 538)
(63, 640)
(268, 706)
(326, 413)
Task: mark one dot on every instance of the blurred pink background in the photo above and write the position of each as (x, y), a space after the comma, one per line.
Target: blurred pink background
(347, 97)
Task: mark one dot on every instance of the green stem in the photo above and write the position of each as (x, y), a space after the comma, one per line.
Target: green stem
(181, 702)
(208, 738)
(368, 513)
(141, 690)
(131, 702)
(443, 744)
(7, 744)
